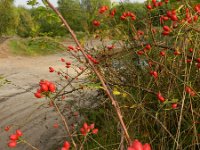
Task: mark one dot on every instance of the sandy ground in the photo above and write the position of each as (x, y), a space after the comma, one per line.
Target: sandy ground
(19, 107)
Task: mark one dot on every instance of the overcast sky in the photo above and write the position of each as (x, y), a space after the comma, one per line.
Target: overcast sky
(23, 2)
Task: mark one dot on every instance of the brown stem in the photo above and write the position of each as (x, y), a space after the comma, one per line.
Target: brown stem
(27, 143)
(65, 124)
(113, 101)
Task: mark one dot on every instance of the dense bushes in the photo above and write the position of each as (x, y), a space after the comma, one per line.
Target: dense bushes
(8, 17)
(26, 23)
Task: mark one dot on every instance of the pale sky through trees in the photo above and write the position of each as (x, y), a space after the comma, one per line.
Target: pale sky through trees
(23, 2)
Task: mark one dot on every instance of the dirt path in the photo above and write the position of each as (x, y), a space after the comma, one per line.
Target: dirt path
(19, 107)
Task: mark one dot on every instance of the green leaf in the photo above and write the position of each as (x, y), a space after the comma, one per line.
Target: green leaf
(94, 85)
(32, 2)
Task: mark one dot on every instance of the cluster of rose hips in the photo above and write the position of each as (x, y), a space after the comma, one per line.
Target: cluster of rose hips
(103, 9)
(190, 91)
(154, 74)
(171, 14)
(162, 99)
(113, 12)
(128, 14)
(68, 64)
(92, 59)
(66, 146)
(166, 30)
(190, 18)
(72, 48)
(87, 128)
(13, 138)
(137, 145)
(155, 4)
(197, 8)
(110, 47)
(45, 87)
(146, 48)
(96, 23)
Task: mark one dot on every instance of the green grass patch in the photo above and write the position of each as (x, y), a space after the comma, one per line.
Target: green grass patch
(35, 46)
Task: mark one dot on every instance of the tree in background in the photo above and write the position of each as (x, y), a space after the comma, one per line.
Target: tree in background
(71, 10)
(47, 22)
(26, 23)
(90, 6)
(8, 17)
(80, 13)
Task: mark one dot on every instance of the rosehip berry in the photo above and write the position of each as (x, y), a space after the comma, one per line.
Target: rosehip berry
(12, 144)
(38, 95)
(19, 133)
(92, 126)
(146, 146)
(188, 89)
(198, 65)
(96, 23)
(198, 60)
(190, 50)
(95, 131)
(195, 18)
(189, 60)
(70, 47)
(166, 1)
(52, 87)
(165, 18)
(68, 63)
(85, 126)
(149, 7)
(155, 4)
(160, 3)
(83, 132)
(177, 53)
(13, 137)
(137, 145)
(110, 47)
(122, 17)
(160, 97)
(165, 33)
(174, 105)
(112, 13)
(67, 66)
(148, 46)
(174, 18)
(162, 53)
(7, 128)
(141, 52)
(154, 73)
(192, 93)
(51, 69)
(166, 28)
(44, 88)
(66, 144)
(55, 125)
(62, 59)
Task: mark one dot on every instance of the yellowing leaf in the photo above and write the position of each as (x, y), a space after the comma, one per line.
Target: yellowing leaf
(124, 95)
(116, 92)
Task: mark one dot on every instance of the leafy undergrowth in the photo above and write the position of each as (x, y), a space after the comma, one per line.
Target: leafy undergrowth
(35, 46)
